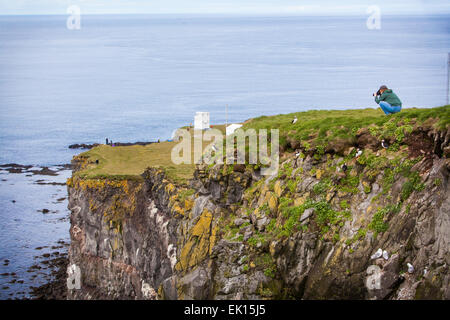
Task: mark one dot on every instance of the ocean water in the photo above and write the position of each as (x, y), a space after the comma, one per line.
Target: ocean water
(28, 237)
(137, 78)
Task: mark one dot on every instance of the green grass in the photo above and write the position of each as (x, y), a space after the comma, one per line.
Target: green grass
(316, 128)
(379, 222)
(130, 162)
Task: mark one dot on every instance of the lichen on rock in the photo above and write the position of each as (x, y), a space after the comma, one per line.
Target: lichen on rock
(306, 233)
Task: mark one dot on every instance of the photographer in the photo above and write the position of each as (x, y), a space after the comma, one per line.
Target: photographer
(388, 100)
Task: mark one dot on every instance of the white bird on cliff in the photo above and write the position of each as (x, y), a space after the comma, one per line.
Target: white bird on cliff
(385, 255)
(410, 267)
(358, 153)
(295, 120)
(214, 148)
(384, 144)
(377, 254)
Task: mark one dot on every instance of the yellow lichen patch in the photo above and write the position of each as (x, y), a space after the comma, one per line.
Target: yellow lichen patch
(203, 225)
(273, 203)
(370, 209)
(367, 187)
(319, 173)
(263, 198)
(341, 193)
(264, 189)
(160, 292)
(329, 196)
(115, 213)
(170, 188)
(185, 255)
(299, 201)
(92, 206)
(177, 210)
(172, 199)
(201, 240)
(277, 188)
(101, 184)
(69, 182)
(188, 204)
(82, 161)
(116, 244)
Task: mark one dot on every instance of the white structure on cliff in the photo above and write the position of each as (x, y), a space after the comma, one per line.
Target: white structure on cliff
(232, 128)
(201, 121)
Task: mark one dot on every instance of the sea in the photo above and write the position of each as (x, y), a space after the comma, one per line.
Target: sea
(139, 77)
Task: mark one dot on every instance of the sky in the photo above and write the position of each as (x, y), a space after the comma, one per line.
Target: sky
(301, 7)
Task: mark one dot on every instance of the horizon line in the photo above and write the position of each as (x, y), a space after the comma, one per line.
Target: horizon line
(233, 14)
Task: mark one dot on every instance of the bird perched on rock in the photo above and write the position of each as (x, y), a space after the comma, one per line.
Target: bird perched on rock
(295, 120)
(385, 255)
(214, 148)
(358, 153)
(344, 167)
(377, 254)
(384, 144)
(410, 267)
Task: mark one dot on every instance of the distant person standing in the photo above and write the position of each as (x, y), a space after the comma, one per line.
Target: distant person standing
(388, 100)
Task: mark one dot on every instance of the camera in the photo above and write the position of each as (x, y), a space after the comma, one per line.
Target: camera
(378, 93)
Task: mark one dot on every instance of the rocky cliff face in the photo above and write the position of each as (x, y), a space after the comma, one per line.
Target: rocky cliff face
(310, 232)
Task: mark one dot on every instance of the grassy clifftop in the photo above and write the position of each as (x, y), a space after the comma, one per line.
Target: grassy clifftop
(321, 131)
(130, 162)
(318, 129)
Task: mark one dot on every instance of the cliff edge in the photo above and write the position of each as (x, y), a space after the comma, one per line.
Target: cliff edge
(312, 231)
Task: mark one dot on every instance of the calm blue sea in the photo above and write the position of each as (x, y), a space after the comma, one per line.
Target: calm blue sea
(139, 77)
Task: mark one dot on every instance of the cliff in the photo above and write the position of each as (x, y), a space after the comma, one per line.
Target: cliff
(308, 232)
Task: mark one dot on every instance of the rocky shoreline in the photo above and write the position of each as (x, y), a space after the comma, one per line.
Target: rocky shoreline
(55, 289)
(116, 144)
(48, 266)
(34, 170)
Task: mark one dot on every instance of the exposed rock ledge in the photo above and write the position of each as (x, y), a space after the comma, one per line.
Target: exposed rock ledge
(307, 233)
